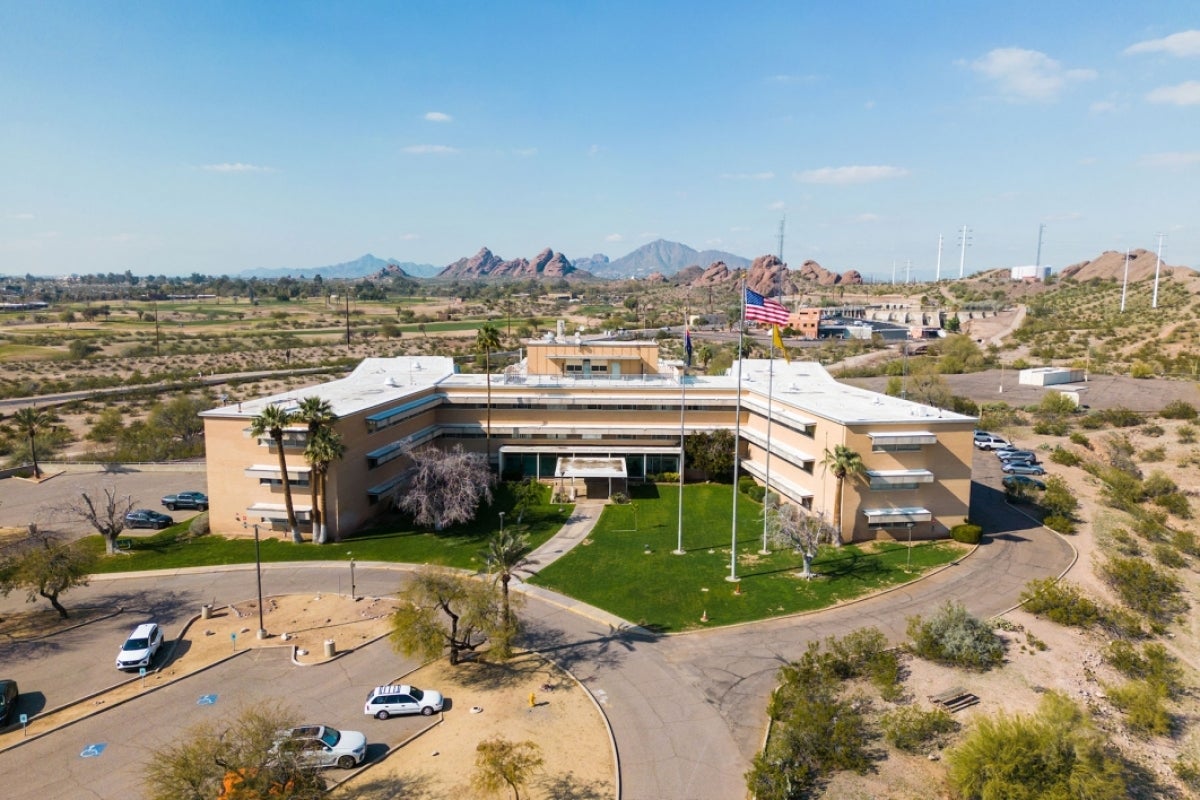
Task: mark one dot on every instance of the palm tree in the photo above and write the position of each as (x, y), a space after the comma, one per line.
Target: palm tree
(322, 449)
(272, 421)
(487, 340)
(32, 421)
(504, 553)
(322, 446)
(842, 462)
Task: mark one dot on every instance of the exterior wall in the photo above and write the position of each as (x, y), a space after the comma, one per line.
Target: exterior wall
(806, 322)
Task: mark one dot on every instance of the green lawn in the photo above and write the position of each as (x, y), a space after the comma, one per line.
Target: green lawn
(390, 540)
(629, 569)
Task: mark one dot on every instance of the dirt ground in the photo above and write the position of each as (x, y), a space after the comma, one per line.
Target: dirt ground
(483, 700)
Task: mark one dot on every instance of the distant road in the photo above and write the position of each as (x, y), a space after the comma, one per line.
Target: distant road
(14, 403)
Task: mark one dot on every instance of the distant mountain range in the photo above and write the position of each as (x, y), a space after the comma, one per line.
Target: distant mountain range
(660, 256)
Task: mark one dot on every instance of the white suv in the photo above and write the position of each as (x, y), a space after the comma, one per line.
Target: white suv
(388, 701)
(989, 441)
(140, 647)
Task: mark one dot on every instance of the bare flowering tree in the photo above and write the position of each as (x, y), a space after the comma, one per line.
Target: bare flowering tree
(447, 487)
(791, 526)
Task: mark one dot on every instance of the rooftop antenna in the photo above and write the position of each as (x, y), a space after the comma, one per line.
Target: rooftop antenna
(964, 241)
(938, 276)
(1125, 283)
(1157, 267)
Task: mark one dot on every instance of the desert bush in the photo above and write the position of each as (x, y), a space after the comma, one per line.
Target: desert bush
(967, 533)
(1058, 499)
(1186, 434)
(1185, 542)
(1157, 484)
(1178, 409)
(1152, 664)
(865, 653)
(1168, 556)
(1060, 524)
(1056, 752)
(1060, 602)
(1081, 440)
(1144, 706)
(953, 636)
(912, 730)
(1141, 370)
(1050, 428)
(1176, 503)
(1144, 588)
(1060, 455)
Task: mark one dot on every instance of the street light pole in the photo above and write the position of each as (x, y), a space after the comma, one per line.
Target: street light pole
(353, 593)
(502, 524)
(262, 630)
(908, 561)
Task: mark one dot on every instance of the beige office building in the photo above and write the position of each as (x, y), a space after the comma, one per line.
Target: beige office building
(586, 415)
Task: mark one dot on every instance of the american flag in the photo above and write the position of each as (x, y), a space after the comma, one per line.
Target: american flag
(764, 309)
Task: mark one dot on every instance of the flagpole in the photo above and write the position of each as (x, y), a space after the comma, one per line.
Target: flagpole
(687, 362)
(767, 481)
(737, 433)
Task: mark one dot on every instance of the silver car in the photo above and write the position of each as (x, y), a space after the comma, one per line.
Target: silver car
(323, 746)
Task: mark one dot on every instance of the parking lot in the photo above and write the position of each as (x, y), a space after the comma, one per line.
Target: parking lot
(47, 502)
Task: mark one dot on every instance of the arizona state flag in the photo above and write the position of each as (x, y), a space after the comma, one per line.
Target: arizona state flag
(778, 340)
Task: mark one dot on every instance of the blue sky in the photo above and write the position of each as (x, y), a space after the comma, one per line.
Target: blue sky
(211, 137)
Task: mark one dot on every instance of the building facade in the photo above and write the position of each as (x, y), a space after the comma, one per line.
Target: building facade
(580, 410)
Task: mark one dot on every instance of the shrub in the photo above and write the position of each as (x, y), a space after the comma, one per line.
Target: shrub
(1176, 503)
(1060, 455)
(1143, 704)
(912, 730)
(1060, 602)
(1152, 455)
(1050, 428)
(744, 484)
(1081, 440)
(1144, 588)
(1178, 409)
(1141, 369)
(1058, 498)
(865, 652)
(1186, 434)
(619, 498)
(967, 533)
(953, 636)
(1152, 430)
(1153, 664)
(1056, 752)
(1185, 542)
(1060, 524)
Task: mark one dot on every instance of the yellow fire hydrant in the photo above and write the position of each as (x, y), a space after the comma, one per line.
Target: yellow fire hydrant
(532, 699)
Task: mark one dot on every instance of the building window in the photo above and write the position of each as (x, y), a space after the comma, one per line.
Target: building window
(888, 447)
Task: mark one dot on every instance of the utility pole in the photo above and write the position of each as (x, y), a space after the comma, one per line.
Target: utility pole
(1037, 262)
(1125, 282)
(938, 275)
(347, 319)
(1157, 267)
(964, 241)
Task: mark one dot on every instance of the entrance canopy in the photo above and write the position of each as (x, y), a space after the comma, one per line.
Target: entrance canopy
(590, 468)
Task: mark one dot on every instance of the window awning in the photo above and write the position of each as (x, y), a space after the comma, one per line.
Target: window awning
(275, 511)
(903, 437)
(883, 516)
(272, 471)
(889, 477)
(590, 468)
(388, 487)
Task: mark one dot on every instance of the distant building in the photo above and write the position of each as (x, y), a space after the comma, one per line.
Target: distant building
(806, 322)
(1030, 273)
(1049, 376)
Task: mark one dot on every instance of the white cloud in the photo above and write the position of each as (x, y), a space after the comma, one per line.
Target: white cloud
(23, 216)
(410, 237)
(1170, 160)
(784, 78)
(437, 116)
(841, 176)
(714, 242)
(236, 166)
(525, 152)
(1028, 74)
(867, 217)
(430, 149)
(614, 237)
(121, 238)
(1185, 94)
(1182, 45)
(596, 150)
(1103, 107)
(748, 176)
(778, 205)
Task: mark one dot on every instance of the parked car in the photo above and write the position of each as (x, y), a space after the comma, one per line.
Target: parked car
(140, 647)
(990, 441)
(389, 701)
(1016, 455)
(1022, 481)
(145, 518)
(198, 500)
(8, 700)
(1023, 469)
(323, 746)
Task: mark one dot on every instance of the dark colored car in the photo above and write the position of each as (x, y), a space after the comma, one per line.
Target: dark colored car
(1019, 481)
(8, 700)
(145, 518)
(198, 500)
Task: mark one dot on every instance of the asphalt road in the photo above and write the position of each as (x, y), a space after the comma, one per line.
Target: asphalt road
(687, 711)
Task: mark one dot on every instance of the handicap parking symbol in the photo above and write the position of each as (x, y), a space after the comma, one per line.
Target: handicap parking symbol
(93, 750)
(207, 700)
